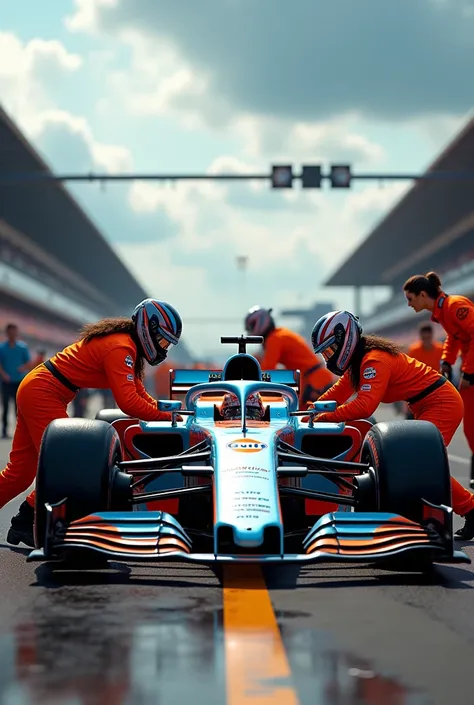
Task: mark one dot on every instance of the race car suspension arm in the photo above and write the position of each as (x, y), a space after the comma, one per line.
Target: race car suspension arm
(168, 494)
(313, 494)
(323, 463)
(194, 470)
(135, 467)
(286, 471)
(190, 453)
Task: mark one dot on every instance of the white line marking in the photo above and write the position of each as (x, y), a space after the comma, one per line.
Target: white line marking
(458, 459)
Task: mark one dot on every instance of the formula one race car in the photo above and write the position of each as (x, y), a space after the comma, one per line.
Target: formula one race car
(275, 489)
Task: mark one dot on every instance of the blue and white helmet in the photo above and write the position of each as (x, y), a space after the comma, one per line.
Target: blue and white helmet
(335, 335)
(158, 326)
(259, 321)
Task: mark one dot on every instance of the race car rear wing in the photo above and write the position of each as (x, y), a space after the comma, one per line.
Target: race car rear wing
(181, 381)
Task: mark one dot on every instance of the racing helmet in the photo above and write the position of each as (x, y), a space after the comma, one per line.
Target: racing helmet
(231, 411)
(259, 321)
(158, 326)
(335, 335)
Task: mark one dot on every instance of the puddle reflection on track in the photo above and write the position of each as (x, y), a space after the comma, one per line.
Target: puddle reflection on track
(87, 651)
(84, 646)
(329, 676)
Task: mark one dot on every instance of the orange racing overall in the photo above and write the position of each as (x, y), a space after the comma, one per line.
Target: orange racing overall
(104, 362)
(456, 315)
(284, 347)
(386, 378)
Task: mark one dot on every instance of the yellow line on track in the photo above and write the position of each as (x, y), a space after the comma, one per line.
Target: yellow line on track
(257, 668)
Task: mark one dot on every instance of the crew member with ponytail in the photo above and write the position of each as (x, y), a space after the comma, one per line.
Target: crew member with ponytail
(424, 292)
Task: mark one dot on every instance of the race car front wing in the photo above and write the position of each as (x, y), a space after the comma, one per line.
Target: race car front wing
(336, 537)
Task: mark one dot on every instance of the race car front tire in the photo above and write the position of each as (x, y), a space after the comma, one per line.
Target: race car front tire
(77, 462)
(410, 463)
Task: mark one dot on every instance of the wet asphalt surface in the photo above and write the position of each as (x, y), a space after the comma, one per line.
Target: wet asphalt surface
(153, 635)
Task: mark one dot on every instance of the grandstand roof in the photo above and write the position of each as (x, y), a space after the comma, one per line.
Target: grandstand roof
(431, 215)
(51, 218)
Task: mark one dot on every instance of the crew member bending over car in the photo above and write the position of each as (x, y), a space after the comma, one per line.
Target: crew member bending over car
(378, 371)
(109, 354)
(456, 314)
(282, 346)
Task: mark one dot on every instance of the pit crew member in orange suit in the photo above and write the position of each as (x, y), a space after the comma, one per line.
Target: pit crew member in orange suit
(426, 350)
(456, 315)
(110, 354)
(282, 346)
(378, 371)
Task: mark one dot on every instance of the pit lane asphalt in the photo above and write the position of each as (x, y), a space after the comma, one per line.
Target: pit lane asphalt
(157, 635)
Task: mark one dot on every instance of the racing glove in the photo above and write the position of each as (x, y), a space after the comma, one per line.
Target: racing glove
(447, 370)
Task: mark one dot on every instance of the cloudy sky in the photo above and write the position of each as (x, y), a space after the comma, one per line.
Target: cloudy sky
(236, 85)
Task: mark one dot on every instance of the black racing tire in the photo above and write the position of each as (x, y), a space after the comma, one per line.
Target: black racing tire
(77, 462)
(111, 415)
(410, 462)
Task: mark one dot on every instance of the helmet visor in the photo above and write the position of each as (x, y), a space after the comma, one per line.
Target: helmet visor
(325, 344)
(328, 352)
(162, 342)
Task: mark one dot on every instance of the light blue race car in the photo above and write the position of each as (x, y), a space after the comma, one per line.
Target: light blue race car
(281, 488)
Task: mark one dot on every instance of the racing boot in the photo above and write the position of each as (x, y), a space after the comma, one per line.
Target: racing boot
(21, 529)
(467, 531)
(471, 482)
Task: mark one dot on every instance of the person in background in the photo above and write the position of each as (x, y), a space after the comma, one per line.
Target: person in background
(426, 350)
(39, 358)
(282, 346)
(379, 372)
(424, 292)
(79, 403)
(14, 364)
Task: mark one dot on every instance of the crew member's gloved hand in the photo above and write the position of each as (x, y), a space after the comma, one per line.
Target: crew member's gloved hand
(447, 370)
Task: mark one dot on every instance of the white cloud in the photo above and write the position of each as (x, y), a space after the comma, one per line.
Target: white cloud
(31, 89)
(306, 141)
(28, 73)
(194, 231)
(290, 250)
(112, 158)
(239, 66)
(86, 15)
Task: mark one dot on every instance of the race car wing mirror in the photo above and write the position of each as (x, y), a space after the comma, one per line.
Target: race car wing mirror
(179, 414)
(321, 406)
(317, 408)
(169, 405)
